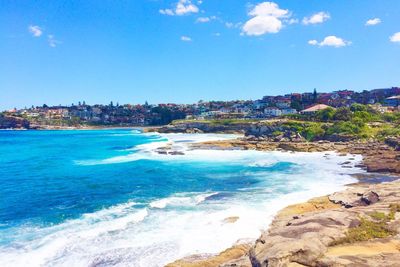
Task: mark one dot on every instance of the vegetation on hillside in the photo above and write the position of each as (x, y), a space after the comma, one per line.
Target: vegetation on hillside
(355, 122)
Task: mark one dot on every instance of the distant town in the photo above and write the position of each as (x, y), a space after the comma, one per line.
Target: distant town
(82, 114)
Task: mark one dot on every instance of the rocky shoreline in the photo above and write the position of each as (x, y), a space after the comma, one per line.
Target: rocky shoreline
(316, 233)
(377, 156)
(320, 231)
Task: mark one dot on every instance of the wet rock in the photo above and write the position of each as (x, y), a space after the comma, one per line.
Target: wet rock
(174, 153)
(370, 198)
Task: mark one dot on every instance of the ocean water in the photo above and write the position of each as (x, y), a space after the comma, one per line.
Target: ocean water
(107, 198)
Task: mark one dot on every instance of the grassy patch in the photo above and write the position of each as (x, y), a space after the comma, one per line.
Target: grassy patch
(371, 229)
(393, 209)
(378, 216)
(367, 230)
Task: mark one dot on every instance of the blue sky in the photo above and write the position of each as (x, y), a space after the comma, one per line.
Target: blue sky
(62, 52)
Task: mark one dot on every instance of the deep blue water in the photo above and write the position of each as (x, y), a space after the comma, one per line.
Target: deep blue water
(41, 181)
(57, 186)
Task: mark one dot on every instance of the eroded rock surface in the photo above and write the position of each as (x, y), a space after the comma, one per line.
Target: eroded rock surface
(307, 239)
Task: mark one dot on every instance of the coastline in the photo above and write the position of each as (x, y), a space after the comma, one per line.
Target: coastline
(381, 174)
(198, 146)
(240, 176)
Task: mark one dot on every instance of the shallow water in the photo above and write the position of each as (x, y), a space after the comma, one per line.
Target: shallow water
(106, 198)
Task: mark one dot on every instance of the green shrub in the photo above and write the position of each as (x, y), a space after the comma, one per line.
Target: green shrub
(391, 117)
(313, 132)
(343, 114)
(388, 131)
(326, 114)
(358, 107)
(366, 116)
(344, 127)
(367, 230)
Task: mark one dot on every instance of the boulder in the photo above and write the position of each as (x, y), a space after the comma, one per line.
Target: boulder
(354, 198)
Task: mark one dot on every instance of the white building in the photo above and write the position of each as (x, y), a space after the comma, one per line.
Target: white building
(274, 112)
(287, 111)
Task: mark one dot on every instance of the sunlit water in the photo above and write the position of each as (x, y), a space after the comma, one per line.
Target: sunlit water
(107, 198)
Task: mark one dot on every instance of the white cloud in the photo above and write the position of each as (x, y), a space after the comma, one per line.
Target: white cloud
(229, 24)
(183, 7)
(313, 42)
(267, 18)
(232, 25)
(52, 41)
(268, 9)
(331, 41)
(205, 19)
(261, 25)
(186, 39)
(292, 21)
(167, 11)
(36, 31)
(316, 18)
(395, 38)
(372, 22)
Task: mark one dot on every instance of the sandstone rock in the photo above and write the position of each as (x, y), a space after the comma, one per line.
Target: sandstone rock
(369, 198)
(235, 253)
(306, 239)
(232, 219)
(354, 197)
(303, 241)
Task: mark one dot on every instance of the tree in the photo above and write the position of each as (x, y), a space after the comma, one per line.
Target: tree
(343, 114)
(315, 96)
(358, 107)
(326, 114)
(296, 104)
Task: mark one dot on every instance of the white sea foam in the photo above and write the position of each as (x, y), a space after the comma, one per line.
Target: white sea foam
(185, 223)
(178, 142)
(179, 200)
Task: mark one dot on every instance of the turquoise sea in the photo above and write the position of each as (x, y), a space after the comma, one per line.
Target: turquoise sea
(108, 198)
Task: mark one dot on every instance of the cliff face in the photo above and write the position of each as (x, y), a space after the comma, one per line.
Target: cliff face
(9, 122)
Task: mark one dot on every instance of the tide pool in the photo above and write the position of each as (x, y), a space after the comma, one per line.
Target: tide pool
(107, 198)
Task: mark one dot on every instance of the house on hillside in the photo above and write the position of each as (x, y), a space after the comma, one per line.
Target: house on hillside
(288, 111)
(314, 109)
(272, 112)
(393, 101)
(283, 103)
